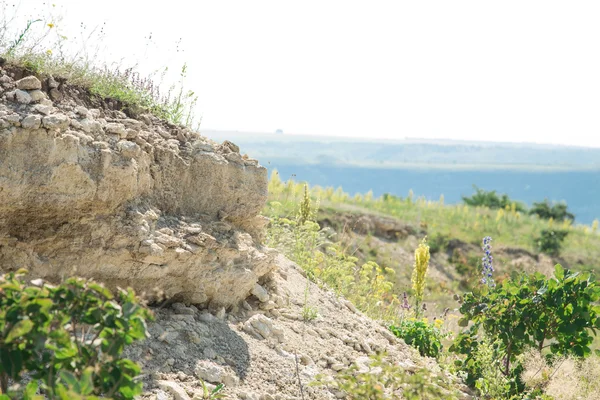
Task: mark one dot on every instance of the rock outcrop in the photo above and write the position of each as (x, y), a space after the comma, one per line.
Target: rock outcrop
(130, 202)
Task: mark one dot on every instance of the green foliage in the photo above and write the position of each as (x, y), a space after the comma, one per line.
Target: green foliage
(309, 313)
(69, 337)
(492, 383)
(461, 222)
(492, 200)
(385, 380)
(550, 241)
(557, 212)
(438, 243)
(425, 337)
(367, 286)
(216, 393)
(559, 313)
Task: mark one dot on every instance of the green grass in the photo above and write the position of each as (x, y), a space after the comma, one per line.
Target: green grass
(581, 248)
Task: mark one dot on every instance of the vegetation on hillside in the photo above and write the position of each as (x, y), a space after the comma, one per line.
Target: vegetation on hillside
(504, 320)
(491, 199)
(40, 47)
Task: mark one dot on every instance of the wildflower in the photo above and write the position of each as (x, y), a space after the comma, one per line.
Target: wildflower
(420, 271)
(49, 52)
(51, 25)
(487, 261)
(405, 305)
(305, 210)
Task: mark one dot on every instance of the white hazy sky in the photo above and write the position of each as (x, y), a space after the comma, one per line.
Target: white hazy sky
(476, 70)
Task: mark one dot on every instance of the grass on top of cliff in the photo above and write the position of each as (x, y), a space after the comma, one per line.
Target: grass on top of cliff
(38, 46)
(441, 222)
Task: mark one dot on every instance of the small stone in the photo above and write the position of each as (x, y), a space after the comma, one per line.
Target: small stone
(177, 391)
(42, 109)
(31, 121)
(261, 294)
(181, 308)
(56, 121)
(337, 367)
(128, 149)
(55, 95)
(131, 134)
(161, 395)
(230, 380)
(29, 83)
(22, 97)
(82, 111)
(5, 79)
(366, 347)
(269, 305)
(232, 147)
(13, 119)
(52, 84)
(116, 129)
(209, 371)
(37, 95)
(350, 306)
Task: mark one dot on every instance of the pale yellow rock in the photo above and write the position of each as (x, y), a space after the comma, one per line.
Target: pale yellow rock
(86, 201)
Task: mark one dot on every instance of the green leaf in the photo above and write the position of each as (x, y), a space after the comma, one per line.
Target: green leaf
(559, 272)
(463, 322)
(21, 328)
(218, 388)
(100, 289)
(86, 382)
(70, 379)
(30, 392)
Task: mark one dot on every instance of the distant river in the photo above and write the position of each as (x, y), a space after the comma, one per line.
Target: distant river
(580, 189)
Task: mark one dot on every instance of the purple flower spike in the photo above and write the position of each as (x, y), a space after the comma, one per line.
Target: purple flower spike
(487, 261)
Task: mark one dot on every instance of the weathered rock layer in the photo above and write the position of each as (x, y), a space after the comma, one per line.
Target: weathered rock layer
(130, 202)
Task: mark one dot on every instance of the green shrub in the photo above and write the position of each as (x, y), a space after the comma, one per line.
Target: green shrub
(68, 338)
(438, 242)
(559, 314)
(425, 337)
(550, 241)
(490, 199)
(557, 212)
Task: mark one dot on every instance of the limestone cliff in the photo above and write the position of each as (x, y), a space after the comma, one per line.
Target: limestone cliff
(128, 201)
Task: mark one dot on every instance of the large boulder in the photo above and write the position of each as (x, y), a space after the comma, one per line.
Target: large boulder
(129, 202)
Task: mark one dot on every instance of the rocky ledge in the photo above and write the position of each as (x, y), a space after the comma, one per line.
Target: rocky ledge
(130, 202)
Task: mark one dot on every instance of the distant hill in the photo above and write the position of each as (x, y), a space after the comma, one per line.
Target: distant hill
(414, 153)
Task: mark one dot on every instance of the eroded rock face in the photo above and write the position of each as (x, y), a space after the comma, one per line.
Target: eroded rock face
(130, 202)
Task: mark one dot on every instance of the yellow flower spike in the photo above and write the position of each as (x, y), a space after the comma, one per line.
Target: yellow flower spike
(50, 25)
(419, 273)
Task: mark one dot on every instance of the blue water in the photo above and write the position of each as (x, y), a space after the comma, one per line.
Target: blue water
(581, 190)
